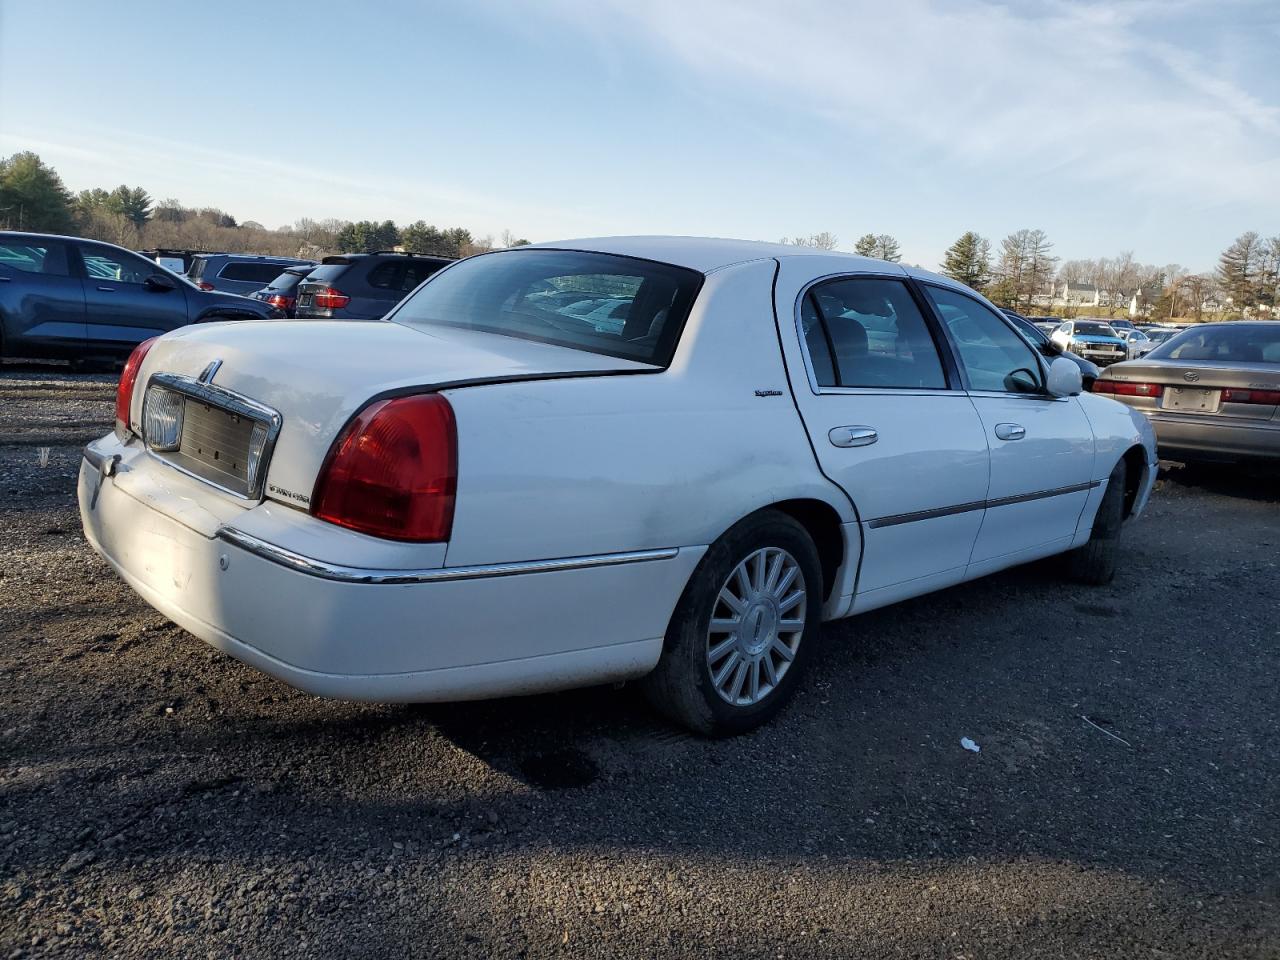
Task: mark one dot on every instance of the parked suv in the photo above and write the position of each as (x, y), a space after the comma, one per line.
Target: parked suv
(80, 299)
(362, 286)
(238, 272)
(282, 292)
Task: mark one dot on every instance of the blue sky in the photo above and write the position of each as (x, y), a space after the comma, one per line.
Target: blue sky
(1145, 126)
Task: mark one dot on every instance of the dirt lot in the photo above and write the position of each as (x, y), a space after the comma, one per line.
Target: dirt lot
(160, 799)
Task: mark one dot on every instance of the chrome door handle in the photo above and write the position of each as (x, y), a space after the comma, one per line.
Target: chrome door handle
(856, 436)
(106, 289)
(1010, 431)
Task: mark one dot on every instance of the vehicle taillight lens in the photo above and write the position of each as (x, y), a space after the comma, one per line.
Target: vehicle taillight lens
(280, 301)
(327, 298)
(128, 380)
(1268, 398)
(1127, 388)
(205, 285)
(393, 471)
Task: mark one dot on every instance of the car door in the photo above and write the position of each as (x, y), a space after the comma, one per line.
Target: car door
(41, 298)
(1041, 445)
(889, 423)
(121, 309)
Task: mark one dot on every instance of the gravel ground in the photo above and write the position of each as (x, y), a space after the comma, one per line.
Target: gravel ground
(160, 799)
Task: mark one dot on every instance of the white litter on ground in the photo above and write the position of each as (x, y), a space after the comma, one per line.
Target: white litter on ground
(970, 745)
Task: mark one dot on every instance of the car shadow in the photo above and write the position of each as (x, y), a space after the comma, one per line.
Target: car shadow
(1259, 482)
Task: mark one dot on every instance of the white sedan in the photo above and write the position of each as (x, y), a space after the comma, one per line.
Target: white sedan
(481, 496)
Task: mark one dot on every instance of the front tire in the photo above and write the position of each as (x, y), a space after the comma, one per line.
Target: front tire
(744, 630)
(1095, 562)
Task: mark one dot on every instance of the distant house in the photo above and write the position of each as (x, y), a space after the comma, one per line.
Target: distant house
(1073, 293)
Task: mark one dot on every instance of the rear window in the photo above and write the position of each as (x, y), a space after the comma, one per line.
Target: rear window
(251, 271)
(328, 272)
(286, 281)
(539, 295)
(1246, 343)
(196, 270)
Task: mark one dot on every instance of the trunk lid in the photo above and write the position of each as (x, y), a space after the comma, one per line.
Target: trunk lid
(1195, 386)
(316, 375)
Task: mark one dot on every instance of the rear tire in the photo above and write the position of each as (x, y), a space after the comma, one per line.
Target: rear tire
(744, 630)
(1095, 562)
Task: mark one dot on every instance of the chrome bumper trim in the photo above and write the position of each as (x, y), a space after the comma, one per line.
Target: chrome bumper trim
(345, 574)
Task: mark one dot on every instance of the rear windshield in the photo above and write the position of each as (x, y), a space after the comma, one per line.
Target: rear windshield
(286, 281)
(1094, 329)
(597, 302)
(1246, 343)
(196, 270)
(251, 271)
(328, 272)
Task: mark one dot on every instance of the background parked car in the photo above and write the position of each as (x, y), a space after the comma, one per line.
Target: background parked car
(81, 299)
(237, 272)
(1212, 392)
(1094, 340)
(176, 261)
(282, 292)
(1040, 340)
(362, 286)
(1137, 343)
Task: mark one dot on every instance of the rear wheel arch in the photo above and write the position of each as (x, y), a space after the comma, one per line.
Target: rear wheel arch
(821, 521)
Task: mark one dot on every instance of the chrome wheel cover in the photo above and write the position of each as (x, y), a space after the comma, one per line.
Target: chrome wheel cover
(756, 626)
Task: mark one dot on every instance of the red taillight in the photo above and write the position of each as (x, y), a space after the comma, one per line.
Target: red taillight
(393, 471)
(205, 285)
(327, 298)
(1127, 388)
(1268, 398)
(280, 301)
(128, 380)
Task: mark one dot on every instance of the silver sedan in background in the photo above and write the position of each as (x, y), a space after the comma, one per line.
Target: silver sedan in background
(1212, 392)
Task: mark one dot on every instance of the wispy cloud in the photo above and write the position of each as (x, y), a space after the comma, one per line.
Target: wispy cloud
(1095, 91)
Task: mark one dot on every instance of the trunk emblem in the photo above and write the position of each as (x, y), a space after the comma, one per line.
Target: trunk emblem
(208, 373)
(1191, 376)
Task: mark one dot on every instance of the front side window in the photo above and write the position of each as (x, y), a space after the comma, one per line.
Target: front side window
(536, 295)
(103, 263)
(868, 332)
(46, 258)
(994, 357)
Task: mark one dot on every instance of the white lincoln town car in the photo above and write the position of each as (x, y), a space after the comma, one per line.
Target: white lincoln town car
(566, 464)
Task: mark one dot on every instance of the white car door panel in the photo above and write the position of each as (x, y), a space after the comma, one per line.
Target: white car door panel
(1041, 446)
(1040, 480)
(886, 423)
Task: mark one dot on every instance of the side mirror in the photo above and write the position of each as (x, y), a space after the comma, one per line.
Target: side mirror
(1064, 378)
(159, 283)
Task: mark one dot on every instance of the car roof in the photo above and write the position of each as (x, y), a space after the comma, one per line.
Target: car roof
(703, 254)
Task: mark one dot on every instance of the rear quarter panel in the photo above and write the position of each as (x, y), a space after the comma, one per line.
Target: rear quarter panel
(572, 467)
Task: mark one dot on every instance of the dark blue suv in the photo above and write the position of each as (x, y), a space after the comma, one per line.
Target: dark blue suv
(362, 286)
(80, 299)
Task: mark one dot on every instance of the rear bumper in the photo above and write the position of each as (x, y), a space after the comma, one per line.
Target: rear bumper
(1213, 438)
(443, 634)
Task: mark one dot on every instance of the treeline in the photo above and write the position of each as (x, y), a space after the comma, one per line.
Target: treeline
(1023, 274)
(33, 197)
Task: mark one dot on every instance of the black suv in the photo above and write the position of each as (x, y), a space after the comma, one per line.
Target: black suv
(240, 273)
(362, 286)
(80, 299)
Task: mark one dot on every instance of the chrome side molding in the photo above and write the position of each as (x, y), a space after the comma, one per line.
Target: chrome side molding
(346, 574)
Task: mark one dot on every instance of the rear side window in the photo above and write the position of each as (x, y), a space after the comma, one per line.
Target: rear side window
(386, 276)
(48, 259)
(252, 272)
(868, 332)
(196, 270)
(531, 294)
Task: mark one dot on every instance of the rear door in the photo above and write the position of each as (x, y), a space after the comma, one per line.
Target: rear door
(1041, 445)
(41, 298)
(121, 310)
(889, 422)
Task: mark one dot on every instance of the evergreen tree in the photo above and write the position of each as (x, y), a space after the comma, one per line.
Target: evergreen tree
(886, 248)
(866, 245)
(1239, 270)
(32, 196)
(968, 260)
